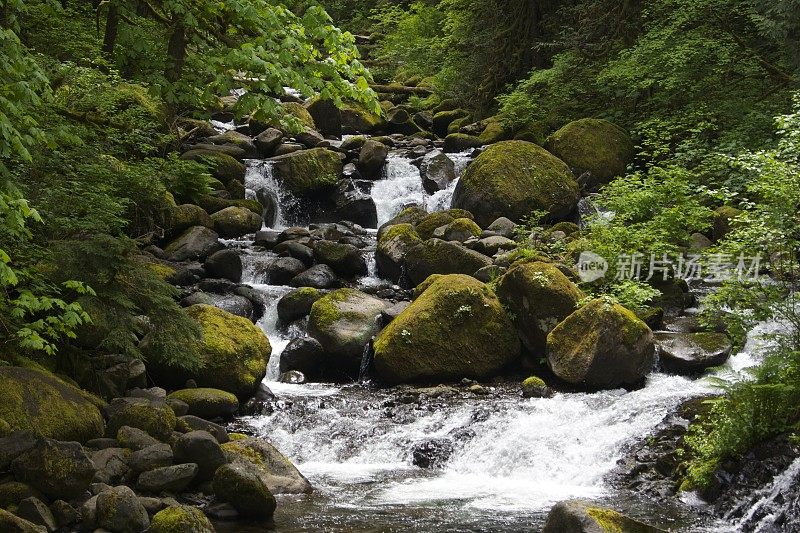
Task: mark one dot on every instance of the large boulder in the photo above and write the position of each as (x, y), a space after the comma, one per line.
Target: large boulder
(539, 296)
(297, 304)
(308, 173)
(436, 256)
(155, 418)
(120, 511)
(59, 470)
(268, 140)
(596, 146)
(602, 345)
(456, 328)
(274, 469)
(437, 171)
(225, 264)
(184, 216)
(443, 119)
(356, 119)
(326, 115)
(318, 277)
(10, 523)
(513, 179)
(582, 516)
(38, 402)
(233, 222)
(222, 166)
(372, 158)
(345, 259)
(240, 485)
(180, 519)
(234, 354)
(692, 353)
(196, 243)
(304, 355)
(353, 204)
(200, 447)
(207, 403)
(393, 246)
(343, 322)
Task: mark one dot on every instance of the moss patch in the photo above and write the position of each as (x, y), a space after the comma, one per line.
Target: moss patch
(180, 519)
(309, 173)
(207, 403)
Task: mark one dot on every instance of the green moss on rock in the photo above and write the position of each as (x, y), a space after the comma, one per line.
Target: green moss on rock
(459, 142)
(39, 402)
(299, 112)
(429, 223)
(593, 145)
(514, 178)
(180, 519)
(274, 468)
(207, 403)
(539, 296)
(309, 173)
(436, 256)
(356, 118)
(393, 245)
(456, 328)
(222, 166)
(494, 132)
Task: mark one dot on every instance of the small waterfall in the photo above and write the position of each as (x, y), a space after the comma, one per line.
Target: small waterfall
(261, 185)
(768, 512)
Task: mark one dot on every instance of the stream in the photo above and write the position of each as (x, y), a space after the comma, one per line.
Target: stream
(510, 459)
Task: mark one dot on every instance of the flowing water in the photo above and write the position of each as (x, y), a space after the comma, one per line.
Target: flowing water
(511, 458)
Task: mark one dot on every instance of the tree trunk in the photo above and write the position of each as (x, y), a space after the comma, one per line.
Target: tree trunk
(176, 53)
(110, 37)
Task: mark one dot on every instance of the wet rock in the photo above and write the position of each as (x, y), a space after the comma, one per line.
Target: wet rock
(691, 353)
(296, 250)
(583, 516)
(326, 115)
(197, 423)
(197, 242)
(309, 138)
(297, 304)
(202, 448)
(308, 173)
(433, 453)
(134, 438)
(283, 270)
(59, 470)
(305, 355)
(534, 387)
(274, 469)
(355, 205)
(267, 238)
(267, 141)
(63, 513)
(343, 322)
(172, 479)
(437, 171)
(240, 485)
(225, 264)
(371, 158)
(318, 277)
(292, 376)
(602, 345)
(455, 328)
(233, 222)
(120, 511)
(235, 305)
(345, 260)
(393, 247)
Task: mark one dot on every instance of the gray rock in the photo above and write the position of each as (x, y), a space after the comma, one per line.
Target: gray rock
(70, 480)
(120, 511)
(35, 511)
(63, 513)
(172, 479)
(305, 355)
(111, 465)
(283, 270)
(202, 448)
(692, 353)
(297, 304)
(345, 259)
(503, 227)
(318, 277)
(242, 487)
(150, 458)
(371, 158)
(437, 171)
(197, 423)
(134, 438)
(267, 141)
(196, 243)
(225, 264)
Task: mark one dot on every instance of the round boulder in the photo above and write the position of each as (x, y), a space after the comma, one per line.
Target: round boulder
(602, 345)
(119, 510)
(345, 259)
(207, 403)
(513, 179)
(436, 256)
(225, 264)
(371, 158)
(456, 328)
(59, 470)
(180, 519)
(297, 304)
(308, 173)
(233, 222)
(393, 246)
(596, 146)
(240, 485)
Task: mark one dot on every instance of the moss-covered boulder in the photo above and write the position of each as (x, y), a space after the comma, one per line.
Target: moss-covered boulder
(461, 230)
(234, 351)
(457, 328)
(239, 485)
(326, 115)
(429, 223)
(155, 418)
(597, 146)
(39, 402)
(494, 132)
(343, 322)
(356, 118)
(393, 246)
(212, 204)
(222, 166)
(184, 216)
(443, 119)
(308, 173)
(297, 304)
(436, 256)
(582, 516)
(119, 510)
(410, 215)
(207, 403)
(233, 222)
(299, 112)
(277, 471)
(13, 492)
(514, 178)
(461, 142)
(692, 353)
(59, 470)
(11, 523)
(602, 345)
(180, 519)
(345, 259)
(539, 296)
(535, 387)
(723, 216)
(196, 243)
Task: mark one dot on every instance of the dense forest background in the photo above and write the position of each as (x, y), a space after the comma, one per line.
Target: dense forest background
(96, 98)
